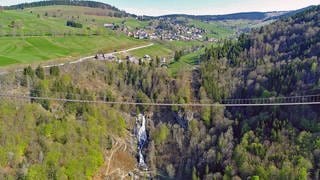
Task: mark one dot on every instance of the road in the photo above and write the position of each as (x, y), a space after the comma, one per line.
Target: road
(85, 58)
(111, 54)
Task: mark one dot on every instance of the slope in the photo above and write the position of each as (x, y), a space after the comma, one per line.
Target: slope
(280, 59)
(40, 33)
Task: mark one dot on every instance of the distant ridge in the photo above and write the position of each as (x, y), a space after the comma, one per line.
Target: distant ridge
(235, 16)
(262, 16)
(292, 13)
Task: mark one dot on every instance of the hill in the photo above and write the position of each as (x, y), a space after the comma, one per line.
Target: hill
(235, 16)
(53, 19)
(280, 59)
(253, 16)
(290, 13)
(41, 33)
(231, 25)
(228, 25)
(91, 4)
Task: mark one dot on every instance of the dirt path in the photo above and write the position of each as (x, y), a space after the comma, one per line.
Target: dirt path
(119, 162)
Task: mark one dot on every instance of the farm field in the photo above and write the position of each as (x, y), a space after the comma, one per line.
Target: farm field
(40, 33)
(92, 17)
(15, 50)
(185, 62)
(52, 20)
(216, 30)
(165, 49)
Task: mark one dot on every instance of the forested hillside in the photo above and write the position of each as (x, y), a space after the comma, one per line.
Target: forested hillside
(277, 60)
(57, 140)
(236, 16)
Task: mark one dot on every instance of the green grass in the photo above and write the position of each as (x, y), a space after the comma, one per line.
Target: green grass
(28, 24)
(15, 50)
(4, 61)
(33, 21)
(165, 48)
(153, 51)
(133, 23)
(91, 17)
(179, 45)
(27, 41)
(214, 29)
(186, 62)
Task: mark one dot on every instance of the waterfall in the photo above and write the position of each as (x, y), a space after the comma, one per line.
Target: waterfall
(142, 138)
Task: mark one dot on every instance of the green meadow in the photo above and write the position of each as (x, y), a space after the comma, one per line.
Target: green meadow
(52, 20)
(15, 50)
(40, 34)
(165, 48)
(186, 62)
(216, 30)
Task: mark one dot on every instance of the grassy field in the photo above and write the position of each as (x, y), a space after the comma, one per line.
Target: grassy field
(132, 24)
(40, 33)
(89, 16)
(165, 48)
(155, 50)
(22, 22)
(214, 29)
(31, 49)
(226, 28)
(52, 20)
(186, 62)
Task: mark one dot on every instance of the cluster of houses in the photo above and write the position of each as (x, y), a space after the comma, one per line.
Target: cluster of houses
(129, 58)
(174, 32)
(178, 31)
(139, 34)
(163, 29)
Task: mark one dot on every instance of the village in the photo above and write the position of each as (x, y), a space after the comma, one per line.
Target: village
(163, 29)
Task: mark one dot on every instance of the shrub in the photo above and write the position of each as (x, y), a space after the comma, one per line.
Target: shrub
(54, 71)
(74, 24)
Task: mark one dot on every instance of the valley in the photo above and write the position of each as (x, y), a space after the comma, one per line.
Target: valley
(94, 102)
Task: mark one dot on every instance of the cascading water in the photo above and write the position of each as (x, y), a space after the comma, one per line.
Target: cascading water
(142, 138)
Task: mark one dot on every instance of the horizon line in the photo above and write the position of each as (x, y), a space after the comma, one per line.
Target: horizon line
(178, 13)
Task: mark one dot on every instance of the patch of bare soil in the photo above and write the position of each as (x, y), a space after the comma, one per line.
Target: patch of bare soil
(119, 162)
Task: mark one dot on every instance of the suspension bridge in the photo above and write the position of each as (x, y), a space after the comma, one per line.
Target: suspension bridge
(272, 101)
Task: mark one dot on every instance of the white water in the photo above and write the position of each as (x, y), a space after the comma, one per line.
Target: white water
(142, 138)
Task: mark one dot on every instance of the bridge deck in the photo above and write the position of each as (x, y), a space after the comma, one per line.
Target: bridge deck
(274, 101)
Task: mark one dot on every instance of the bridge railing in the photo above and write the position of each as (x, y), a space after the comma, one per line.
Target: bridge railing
(274, 100)
(271, 101)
